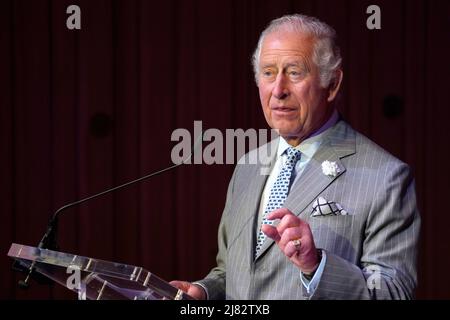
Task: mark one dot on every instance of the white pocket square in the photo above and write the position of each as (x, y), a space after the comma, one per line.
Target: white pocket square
(322, 207)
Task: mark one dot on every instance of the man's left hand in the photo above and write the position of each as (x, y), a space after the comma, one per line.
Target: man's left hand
(295, 239)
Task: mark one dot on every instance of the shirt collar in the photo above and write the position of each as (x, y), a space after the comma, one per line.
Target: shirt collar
(309, 146)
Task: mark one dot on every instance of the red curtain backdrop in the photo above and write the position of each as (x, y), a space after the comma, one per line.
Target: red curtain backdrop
(83, 110)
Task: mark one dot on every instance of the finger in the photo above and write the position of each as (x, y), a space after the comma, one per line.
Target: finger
(290, 249)
(288, 221)
(289, 235)
(300, 251)
(271, 232)
(182, 285)
(278, 214)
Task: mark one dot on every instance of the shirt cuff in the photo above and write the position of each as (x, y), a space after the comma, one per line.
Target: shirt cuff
(204, 288)
(312, 284)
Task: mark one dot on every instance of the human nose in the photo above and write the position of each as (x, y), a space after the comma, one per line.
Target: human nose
(280, 89)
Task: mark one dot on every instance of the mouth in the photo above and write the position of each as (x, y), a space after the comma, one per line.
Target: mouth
(283, 110)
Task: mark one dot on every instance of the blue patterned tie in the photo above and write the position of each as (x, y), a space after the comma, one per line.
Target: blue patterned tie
(279, 192)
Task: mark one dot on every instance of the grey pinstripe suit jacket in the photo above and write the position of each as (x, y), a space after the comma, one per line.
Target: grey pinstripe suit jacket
(371, 252)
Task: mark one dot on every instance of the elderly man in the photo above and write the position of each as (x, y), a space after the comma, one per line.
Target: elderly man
(336, 218)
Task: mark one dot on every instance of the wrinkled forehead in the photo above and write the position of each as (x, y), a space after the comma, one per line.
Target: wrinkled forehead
(285, 45)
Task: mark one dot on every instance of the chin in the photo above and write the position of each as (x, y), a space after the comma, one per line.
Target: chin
(287, 129)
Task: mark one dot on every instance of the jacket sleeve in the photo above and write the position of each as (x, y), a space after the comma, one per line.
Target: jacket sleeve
(387, 267)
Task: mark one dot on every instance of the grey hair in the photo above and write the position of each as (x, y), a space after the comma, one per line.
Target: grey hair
(326, 53)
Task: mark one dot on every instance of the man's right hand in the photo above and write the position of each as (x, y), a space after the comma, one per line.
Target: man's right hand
(195, 291)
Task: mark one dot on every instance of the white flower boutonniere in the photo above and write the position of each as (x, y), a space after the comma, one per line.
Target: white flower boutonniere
(330, 168)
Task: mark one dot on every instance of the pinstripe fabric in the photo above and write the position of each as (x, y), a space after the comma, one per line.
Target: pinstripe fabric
(371, 252)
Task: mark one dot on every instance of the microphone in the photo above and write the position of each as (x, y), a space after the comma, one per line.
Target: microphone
(48, 241)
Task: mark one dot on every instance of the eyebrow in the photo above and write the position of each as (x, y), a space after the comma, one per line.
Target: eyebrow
(288, 65)
(295, 64)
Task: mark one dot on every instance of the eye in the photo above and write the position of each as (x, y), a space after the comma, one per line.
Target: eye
(296, 75)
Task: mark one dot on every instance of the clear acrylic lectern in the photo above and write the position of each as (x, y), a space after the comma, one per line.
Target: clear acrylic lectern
(95, 279)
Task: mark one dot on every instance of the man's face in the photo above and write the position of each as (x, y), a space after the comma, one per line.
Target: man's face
(289, 86)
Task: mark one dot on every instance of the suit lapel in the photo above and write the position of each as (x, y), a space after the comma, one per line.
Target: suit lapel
(249, 201)
(339, 143)
(312, 181)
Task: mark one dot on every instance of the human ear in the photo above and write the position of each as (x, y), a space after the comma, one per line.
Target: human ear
(335, 84)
